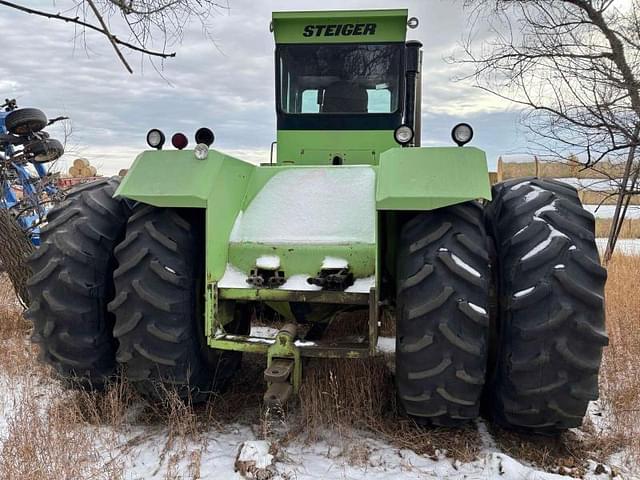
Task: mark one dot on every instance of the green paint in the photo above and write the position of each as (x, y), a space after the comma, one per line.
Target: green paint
(305, 259)
(310, 147)
(237, 346)
(285, 348)
(301, 27)
(318, 350)
(430, 178)
(175, 178)
(408, 179)
(280, 295)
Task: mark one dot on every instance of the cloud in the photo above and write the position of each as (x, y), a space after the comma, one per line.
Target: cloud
(226, 82)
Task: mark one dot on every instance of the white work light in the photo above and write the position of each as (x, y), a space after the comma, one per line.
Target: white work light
(462, 133)
(403, 134)
(155, 138)
(201, 151)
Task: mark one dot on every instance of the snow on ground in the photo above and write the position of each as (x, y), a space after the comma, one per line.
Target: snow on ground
(606, 211)
(627, 246)
(595, 184)
(150, 452)
(146, 452)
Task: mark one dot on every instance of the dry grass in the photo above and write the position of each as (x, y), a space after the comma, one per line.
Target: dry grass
(558, 169)
(17, 354)
(630, 228)
(345, 397)
(545, 169)
(620, 378)
(44, 442)
(565, 454)
(342, 394)
(12, 324)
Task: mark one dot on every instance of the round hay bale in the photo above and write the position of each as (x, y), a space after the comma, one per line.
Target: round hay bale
(123, 172)
(93, 170)
(80, 162)
(74, 172)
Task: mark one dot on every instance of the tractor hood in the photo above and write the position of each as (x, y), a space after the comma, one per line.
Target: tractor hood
(342, 26)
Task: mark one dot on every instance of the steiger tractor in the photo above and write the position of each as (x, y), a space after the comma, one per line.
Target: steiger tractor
(497, 292)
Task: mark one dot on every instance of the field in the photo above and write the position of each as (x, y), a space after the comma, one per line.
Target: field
(630, 228)
(344, 425)
(556, 169)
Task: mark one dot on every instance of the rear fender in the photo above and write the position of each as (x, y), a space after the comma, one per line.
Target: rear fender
(411, 180)
(176, 178)
(430, 178)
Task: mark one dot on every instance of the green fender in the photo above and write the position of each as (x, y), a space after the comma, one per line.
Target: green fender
(430, 178)
(176, 178)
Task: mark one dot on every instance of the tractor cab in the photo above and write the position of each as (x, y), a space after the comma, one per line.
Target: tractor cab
(350, 75)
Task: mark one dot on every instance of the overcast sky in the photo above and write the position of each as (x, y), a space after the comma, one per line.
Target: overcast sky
(225, 83)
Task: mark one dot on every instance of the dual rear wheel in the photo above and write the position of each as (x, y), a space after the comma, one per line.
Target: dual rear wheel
(115, 284)
(501, 309)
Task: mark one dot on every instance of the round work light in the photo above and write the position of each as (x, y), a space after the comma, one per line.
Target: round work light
(205, 135)
(155, 138)
(201, 151)
(403, 134)
(462, 134)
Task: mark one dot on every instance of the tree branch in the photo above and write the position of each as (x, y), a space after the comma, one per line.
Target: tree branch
(109, 35)
(78, 21)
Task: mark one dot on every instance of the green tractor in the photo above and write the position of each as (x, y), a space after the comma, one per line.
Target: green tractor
(497, 293)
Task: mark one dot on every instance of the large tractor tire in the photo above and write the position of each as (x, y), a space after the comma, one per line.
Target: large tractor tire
(159, 308)
(72, 282)
(442, 315)
(551, 328)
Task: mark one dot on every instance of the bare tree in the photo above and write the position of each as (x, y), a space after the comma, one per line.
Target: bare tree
(573, 66)
(145, 23)
(16, 246)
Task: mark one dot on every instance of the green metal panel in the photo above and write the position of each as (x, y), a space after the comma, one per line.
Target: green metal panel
(279, 295)
(343, 26)
(175, 178)
(224, 203)
(356, 147)
(305, 259)
(430, 178)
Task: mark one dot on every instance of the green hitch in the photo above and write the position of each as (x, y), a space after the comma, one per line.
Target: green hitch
(284, 367)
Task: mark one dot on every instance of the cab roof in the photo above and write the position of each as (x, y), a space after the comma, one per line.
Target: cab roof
(340, 26)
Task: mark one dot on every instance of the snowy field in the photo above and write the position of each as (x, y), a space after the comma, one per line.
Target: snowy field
(626, 246)
(595, 184)
(600, 185)
(262, 447)
(606, 211)
(149, 452)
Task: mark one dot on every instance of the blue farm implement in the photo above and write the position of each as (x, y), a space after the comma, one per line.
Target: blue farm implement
(28, 188)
